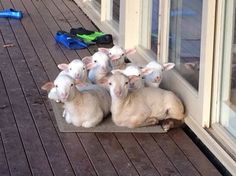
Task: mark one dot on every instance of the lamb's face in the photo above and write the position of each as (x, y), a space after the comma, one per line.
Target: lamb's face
(153, 72)
(100, 59)
(65, 87)
(116, 51)
(77, 69)
(118, 85)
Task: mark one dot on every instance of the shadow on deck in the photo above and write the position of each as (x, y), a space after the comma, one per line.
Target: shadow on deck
(30, 142)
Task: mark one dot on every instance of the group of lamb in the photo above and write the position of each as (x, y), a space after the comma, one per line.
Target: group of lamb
(102, 83)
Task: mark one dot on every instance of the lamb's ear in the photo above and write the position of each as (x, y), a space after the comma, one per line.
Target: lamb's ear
(168, 66)
(130, 51)
(146, 71)
(47, 86)
(105, 50)
(190, 65)
(62, 66)
(88, 62)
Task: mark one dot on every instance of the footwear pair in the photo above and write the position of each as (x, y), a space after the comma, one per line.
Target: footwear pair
(70, 41)
(92, 36)
(11, 13)
(80, 38)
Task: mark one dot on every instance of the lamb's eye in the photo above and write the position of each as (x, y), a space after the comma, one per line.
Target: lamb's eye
(139, 75)
(95, 61)
(126, 82)
(110, 83)
(56, 86)
(70, 68)
(83, 68)
(72, 85)
(123, 54)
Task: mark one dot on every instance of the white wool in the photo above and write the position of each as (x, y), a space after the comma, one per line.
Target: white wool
(143, 107)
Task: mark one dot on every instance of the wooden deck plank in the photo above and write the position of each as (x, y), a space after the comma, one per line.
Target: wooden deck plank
(47, 21)
(196, 157)
(66, 18)
(4, 171)
(175, 155)
(137, 156)
(43, 125)
(156, 155)
(96, 154)
(116, 154)
(10, 138)
(71, 142)
(32, 144)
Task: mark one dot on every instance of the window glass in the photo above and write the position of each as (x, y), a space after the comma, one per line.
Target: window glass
(185, 38)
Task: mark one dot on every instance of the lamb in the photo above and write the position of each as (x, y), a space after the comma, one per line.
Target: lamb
(76, 69)
(142, 107)
(84, 107)
(136, 74)
(153, 73)
(117, 56)
(98, 66)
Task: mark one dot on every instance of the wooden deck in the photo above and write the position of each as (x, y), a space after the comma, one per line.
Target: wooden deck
(30, 142)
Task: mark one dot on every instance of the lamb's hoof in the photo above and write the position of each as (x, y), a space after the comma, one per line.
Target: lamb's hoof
(87, 125)
(167, 125)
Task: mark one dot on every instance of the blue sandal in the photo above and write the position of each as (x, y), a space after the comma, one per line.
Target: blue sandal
(70, 41)
(11, 13)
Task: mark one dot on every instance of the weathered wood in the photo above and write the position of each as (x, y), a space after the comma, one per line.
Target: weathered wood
(175, 155)
(11, 148)
(139, 159)
(156, 155)
(116, 154)
(4, 171)
(195, 156)
(96, 154)
(65, 18)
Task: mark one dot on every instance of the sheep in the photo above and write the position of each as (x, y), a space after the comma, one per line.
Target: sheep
(117, 56)
(76, 69)
(136, 74)
(84, 107)
(153, 73)
(98, 66)
(142, 107)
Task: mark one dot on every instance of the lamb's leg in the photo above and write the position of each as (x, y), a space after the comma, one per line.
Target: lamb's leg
(94, 121)
(139, 122)
(68, 118)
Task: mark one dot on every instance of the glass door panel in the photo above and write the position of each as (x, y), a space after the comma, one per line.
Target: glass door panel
(154, 29)
(227, 115)
(185, 38)
(116, 10)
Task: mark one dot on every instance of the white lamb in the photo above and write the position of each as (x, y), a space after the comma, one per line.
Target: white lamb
(75, 69)
(84, 107)
(98, 66)
(153, 73)
(117, 56)
(142, 107)
(135, 73)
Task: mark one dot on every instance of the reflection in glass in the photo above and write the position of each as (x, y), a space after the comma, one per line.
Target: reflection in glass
(154, 29)
(185, 38)
(116, 10)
